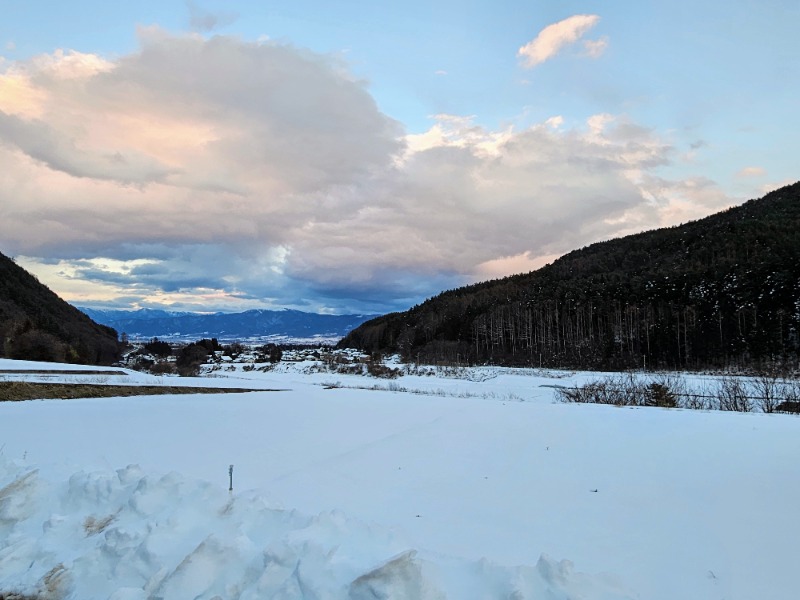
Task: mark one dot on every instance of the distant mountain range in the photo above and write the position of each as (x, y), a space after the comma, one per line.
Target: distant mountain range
(290, 324)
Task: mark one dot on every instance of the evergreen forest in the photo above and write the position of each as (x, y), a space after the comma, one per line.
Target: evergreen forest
(35, 324)
(719, 292)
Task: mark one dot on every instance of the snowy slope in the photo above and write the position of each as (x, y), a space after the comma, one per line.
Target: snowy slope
(330, 484)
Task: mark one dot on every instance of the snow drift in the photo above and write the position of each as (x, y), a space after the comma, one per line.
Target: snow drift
(130, 535)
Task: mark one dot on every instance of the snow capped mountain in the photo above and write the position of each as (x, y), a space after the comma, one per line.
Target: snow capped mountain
(148, 323)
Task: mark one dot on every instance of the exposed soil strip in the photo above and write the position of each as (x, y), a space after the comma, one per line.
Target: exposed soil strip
(57, 372)
(23, 390)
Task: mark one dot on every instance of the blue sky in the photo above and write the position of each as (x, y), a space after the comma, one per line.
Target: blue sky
(360, 156)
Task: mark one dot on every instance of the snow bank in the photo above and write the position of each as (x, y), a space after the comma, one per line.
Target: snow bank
(31, 365)
(43, 372)
(130, 535)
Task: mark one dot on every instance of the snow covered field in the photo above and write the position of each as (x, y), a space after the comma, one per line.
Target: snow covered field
(466, 488)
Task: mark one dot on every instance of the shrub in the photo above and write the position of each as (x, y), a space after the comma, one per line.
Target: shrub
(158, 348)
(619, 391)
(275, 355)
(162, 368)
(731, 394)
(625, 390)
(140, 363)
(768, 388)
(788, 406)
(382, 371)
(233, 350)
(37, 345)
(791, 398)
(190, 358)
(660, 395)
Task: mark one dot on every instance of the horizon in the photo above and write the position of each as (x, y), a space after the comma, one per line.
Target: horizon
(83, 308)
(229, 156)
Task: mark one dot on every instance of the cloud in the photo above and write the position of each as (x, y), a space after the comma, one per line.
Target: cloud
(751, 172)
(205, 21)
(595, 48)
(521, 263)
(553, 38)
(473, 195)
(43, 143)
(222, 174)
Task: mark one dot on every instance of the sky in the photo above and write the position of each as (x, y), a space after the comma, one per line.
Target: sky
(359, 157)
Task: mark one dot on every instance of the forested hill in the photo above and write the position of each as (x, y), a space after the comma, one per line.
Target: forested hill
(35, 324)
(721, 291)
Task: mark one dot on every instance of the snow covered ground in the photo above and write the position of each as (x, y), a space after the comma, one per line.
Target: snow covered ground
(478, 487)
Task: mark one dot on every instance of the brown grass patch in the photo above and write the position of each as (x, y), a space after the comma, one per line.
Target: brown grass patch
(23, 390)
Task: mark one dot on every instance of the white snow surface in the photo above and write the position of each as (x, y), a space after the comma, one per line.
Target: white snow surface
(474, 487)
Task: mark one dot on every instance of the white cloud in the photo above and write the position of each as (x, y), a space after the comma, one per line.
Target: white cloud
(773, 185)
(553, 38)
(595, 48)
(67, 66)
(246, 174)
(43, 143)
(521, 263)
(751, 172)
(597, 123)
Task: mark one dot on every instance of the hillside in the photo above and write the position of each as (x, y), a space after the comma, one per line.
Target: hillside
(293, 324)
(35, 324)
(720, 291)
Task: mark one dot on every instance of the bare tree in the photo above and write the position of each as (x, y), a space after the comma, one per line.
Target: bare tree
(732, 394)
(768, 388)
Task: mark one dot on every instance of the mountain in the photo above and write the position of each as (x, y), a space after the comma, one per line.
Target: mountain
(718, 292)
(147, 323)
(35, 324)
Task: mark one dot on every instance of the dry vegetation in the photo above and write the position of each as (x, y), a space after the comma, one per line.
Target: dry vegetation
(767, 392)
(23, 390)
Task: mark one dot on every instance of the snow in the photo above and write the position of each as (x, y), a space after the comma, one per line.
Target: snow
(477, 487)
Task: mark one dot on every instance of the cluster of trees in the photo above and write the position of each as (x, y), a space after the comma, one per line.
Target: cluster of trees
(189, 357)
(35, 324)
(158, 347)
(717, 292)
